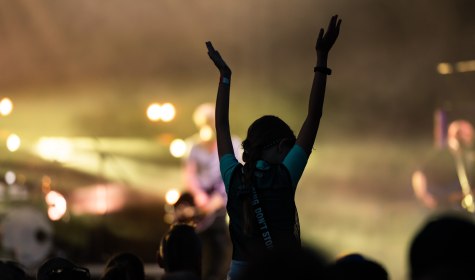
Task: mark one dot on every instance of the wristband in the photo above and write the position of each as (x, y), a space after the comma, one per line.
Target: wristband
(225, 80)
(324, 70)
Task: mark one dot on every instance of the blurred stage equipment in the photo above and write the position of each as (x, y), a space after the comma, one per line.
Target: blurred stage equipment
(28, 235)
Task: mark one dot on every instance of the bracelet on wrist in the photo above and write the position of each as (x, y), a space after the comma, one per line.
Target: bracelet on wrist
(323, 70)
(225, 80)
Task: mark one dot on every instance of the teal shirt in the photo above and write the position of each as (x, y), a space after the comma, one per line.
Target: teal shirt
(295, 162)
(276, 185)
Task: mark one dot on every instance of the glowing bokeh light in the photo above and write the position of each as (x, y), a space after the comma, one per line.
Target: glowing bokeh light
(54, 149)
(172, 196)
(154, 112)
(13, 142)
(168, 112)
(465, 66)
(204, 115)
(206, 133)
(444, 68)
(57, 205)
(101, 200)
(98, 199)
(46, 184)
(178, 148)
(467, 203)
(10, 177)
(6, 106)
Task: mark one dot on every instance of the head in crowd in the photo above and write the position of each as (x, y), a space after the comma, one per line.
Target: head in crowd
(204, 119)
(10, 270)
(460, 135)
(356, 266)
(268, 138)
(304, 263)
(58, 268)
(124, 266)
(443, 248)
(180, 250)
(184, 209)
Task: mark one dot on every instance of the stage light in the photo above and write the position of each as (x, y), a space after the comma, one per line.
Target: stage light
(101, 200)
(444, 68)
(204, 115)
(97, 199)
(178, 148)
(172, 196)
(54, 149)
(46, 183)
(167, 112)
(57, 205)
(206, 133)
(6, 106)
(465, 66)
(154, 112)
(13, 142)
(10, 177)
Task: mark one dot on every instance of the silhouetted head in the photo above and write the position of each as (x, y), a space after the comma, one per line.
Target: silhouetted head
(264, 134)
(287, 264)
(124, 266)
(184, 209)
(356, 266)
(10, 270)
(204, 119)
(180, 250)
(62, 269)
(444, 246)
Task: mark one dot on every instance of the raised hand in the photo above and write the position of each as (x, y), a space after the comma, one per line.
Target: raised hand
(223, 68)
(326, 39)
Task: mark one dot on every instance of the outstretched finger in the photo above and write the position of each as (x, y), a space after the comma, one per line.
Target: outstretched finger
(210, 46)
(320, 36)
(338, 25)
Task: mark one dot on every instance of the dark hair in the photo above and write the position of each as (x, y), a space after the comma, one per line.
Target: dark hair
(356, 266)
(58, 268)
(180, 250)
(12, 270)
(124, 266)
(287, 263)
(265, 132)
(444, 245)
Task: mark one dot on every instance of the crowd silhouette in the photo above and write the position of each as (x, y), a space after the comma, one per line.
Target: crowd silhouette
(264, 226)
(441, 249)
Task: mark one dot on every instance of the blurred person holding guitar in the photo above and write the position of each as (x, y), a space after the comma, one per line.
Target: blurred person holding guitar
(203, 181)
(446, 179)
